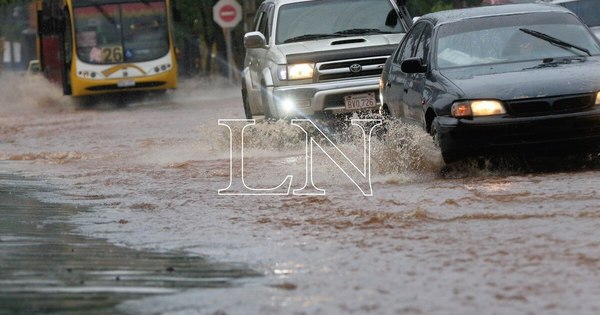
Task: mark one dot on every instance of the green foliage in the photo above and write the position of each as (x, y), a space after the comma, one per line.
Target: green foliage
(422, 7)
(11, 23)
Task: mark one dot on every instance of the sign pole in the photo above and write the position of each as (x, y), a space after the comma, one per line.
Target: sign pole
(228, 14)
(230, 63)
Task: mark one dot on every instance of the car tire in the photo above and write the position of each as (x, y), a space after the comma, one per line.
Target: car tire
(449, 155)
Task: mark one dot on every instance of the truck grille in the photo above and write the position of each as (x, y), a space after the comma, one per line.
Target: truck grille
(548, 106)
(350, 69)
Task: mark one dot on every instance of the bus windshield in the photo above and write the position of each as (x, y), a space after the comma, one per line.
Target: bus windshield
(127, 32)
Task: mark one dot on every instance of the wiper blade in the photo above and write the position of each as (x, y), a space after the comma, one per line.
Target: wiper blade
(310, 37)
(551, 63)
(362, 31)
(105, 14)
(554, 40)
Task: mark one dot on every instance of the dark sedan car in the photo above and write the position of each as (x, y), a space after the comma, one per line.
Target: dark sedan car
(499, 78)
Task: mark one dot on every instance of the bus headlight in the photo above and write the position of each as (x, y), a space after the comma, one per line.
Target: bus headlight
(477, 108)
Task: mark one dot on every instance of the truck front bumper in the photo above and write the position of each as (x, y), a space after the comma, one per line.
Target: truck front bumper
(325, 97)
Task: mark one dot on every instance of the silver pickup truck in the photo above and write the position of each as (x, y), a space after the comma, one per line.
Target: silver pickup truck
(316, 57)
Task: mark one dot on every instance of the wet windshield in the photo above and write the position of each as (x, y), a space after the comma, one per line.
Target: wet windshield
(513, 39)
(587, 10)
(114, 33)
(335, 18)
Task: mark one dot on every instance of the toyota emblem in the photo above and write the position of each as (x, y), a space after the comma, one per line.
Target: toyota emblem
(355, 68)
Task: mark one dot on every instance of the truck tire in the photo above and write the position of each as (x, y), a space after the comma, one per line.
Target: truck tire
(247, 110)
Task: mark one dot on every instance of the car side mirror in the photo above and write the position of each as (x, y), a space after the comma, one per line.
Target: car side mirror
(254, 40)
(413, 65)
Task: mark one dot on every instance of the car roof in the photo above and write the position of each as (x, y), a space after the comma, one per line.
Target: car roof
(560, 1)
(449, 16)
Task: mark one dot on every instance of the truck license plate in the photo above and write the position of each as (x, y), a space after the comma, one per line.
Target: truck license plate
(360, 101)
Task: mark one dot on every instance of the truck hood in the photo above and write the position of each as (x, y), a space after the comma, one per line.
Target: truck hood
(342, 47)
(523, 80)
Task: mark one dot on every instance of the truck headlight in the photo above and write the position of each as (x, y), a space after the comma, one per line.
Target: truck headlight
(477, 108)
(300, 71)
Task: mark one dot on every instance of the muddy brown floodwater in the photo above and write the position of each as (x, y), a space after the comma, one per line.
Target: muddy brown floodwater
(45, 268)
(490, 237)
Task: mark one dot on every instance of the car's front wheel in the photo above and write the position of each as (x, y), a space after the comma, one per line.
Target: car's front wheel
(449, 154)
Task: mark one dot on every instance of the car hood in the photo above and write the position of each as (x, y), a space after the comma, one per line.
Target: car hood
(293, 50)
(524, 80)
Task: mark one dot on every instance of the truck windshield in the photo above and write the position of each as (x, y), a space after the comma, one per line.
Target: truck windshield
(115, 33)
(311, 20)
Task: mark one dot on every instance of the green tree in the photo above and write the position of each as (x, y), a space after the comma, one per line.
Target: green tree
(422, 7)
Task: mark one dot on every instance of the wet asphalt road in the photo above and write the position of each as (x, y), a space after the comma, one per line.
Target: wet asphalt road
(47, 269)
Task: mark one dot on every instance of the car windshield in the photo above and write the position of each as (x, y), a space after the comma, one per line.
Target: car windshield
(513, 38)
(311, 20)
(587, 10)
(114, 33)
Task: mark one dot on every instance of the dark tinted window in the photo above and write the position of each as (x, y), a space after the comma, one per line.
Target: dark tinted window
(422, 50)
(587, 10)
(410, 42)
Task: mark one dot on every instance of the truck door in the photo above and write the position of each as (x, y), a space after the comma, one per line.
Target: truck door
(255, 57)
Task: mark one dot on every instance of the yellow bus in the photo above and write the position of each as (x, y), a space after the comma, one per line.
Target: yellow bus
(107, 46)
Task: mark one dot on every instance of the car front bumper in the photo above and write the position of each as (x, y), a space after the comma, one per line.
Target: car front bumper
(324, 97)
(467, 137)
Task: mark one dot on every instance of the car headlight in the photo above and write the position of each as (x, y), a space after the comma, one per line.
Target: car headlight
(477, 108)
(299, 71)
(598, 98)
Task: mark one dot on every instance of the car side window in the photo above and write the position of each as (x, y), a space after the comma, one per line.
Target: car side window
(422, 50)
(409, 44)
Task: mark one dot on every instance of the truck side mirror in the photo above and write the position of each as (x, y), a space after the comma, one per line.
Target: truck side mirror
(254, 40)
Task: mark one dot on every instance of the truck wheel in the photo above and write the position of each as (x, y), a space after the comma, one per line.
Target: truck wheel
(247, 110)
(265, 103)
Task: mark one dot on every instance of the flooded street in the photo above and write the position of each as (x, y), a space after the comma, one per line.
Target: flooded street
(145, 178)
(45, 268)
